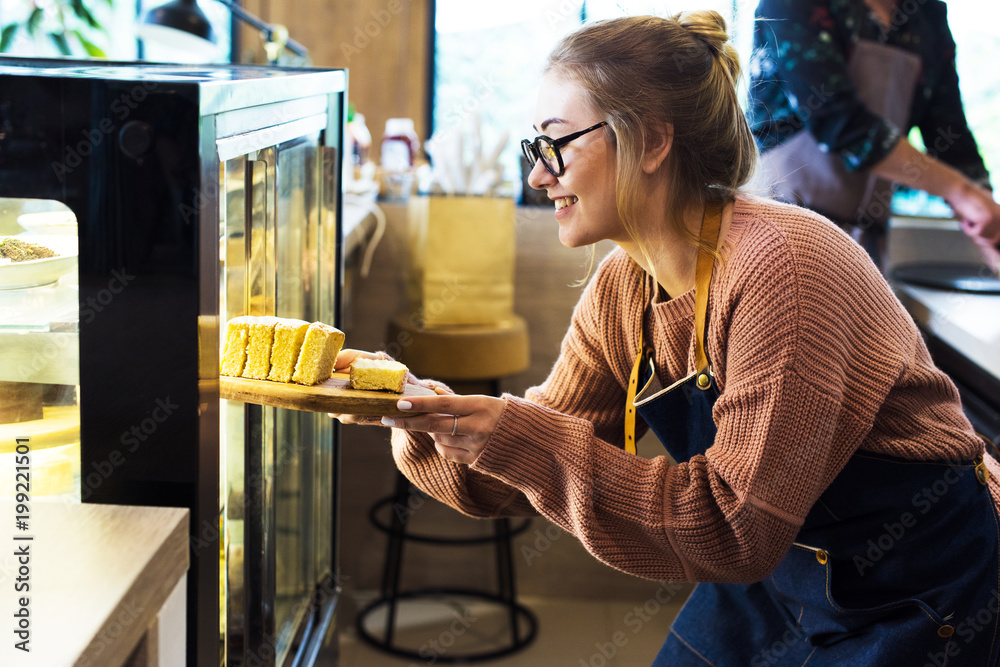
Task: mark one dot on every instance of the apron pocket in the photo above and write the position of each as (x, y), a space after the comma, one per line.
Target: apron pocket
(830, 604)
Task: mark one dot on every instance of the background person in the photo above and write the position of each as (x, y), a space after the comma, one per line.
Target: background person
(836, 86)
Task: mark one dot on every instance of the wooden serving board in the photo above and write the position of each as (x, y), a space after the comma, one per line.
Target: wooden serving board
(335, 395)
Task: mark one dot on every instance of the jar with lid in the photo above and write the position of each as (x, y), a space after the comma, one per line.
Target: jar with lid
(398, 154)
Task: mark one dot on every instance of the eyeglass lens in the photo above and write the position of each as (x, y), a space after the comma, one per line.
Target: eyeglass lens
(543, 150)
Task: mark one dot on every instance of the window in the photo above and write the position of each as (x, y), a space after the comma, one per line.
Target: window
(489, 64)
(488, 67)
(973, 25)
(115, 38)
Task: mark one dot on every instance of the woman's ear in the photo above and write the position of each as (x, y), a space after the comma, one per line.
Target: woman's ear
(659, 139)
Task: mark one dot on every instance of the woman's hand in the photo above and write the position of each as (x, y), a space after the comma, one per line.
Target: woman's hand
(343, 363)
(459, 425)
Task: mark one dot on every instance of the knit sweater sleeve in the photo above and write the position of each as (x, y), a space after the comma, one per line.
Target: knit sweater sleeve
(581, 366)
(789, 416)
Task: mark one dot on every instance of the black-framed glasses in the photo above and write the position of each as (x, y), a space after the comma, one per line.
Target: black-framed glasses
(546, 149)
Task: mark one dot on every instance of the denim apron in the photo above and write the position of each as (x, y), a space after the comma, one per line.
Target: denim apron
(896, 564)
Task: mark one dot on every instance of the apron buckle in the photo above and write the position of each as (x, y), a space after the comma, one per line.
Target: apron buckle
(982, 472)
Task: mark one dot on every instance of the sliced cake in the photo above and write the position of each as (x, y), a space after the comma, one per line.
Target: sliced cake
(378, 374)
(320, 347)
(259, 348)
(288, 337)
(235, 356)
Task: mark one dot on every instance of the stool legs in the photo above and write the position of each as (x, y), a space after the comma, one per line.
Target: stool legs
(393, 569)
(398, 531)
(505, 573)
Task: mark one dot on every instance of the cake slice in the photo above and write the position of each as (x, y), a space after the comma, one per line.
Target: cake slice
(235, 356)
(320, 348)
(259, 348)
(378, 374)
(288, 337)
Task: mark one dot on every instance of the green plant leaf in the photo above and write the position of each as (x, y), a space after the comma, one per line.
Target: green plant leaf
(35, 19)
(81, 10)
(92, 49)
(59, 38)
(7, 36)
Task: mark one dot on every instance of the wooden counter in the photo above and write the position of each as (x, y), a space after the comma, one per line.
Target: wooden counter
(105, 584)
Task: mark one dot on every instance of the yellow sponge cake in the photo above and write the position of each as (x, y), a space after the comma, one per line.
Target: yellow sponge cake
(320, 348)
(288, 337)
(378, 374)
(235, 356)
(259, 348)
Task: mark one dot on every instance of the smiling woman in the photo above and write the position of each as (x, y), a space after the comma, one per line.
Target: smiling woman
(769, 357)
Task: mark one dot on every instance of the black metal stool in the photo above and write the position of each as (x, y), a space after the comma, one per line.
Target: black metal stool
(455, 355)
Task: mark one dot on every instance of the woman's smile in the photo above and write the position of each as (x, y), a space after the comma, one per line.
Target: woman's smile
(564, 202)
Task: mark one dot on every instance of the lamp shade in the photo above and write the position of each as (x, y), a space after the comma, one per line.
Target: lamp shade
(181, 23)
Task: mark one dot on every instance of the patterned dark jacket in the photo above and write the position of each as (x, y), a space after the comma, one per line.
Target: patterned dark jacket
(798, 79)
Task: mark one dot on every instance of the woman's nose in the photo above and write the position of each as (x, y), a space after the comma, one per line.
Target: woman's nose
(539, 177)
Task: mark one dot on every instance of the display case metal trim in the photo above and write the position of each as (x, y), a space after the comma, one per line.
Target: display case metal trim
(241, 144)
(241, 121)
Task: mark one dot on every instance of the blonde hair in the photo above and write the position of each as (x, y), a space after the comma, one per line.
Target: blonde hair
(643, 71)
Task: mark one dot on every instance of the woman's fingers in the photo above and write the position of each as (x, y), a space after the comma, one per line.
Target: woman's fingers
(441, 413)
(356, 419)
(459, 425)
(445, 424)
(434, 385)
(345, 357)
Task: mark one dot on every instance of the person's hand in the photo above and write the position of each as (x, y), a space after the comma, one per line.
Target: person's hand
(459, 425)
(347, 356)
(979, 216)
(990, 253)
(343, 363)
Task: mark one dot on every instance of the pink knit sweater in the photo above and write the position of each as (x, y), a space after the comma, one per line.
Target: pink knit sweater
(815, 357)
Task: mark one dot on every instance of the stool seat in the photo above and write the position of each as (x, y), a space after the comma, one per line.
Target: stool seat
(467, 352)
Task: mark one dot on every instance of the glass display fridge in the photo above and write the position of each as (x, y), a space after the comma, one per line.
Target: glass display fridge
(141, 207)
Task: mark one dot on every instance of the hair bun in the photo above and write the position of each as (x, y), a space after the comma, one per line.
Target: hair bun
(710, 27)
(707, 25)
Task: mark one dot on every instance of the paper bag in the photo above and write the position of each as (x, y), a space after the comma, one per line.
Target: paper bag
(461, 259)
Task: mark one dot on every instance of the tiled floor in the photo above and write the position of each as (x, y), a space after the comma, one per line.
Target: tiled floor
(571, 633)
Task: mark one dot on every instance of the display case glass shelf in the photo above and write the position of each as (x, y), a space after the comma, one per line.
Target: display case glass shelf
(39, 346)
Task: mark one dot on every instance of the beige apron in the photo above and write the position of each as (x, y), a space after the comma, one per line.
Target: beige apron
(802, 172)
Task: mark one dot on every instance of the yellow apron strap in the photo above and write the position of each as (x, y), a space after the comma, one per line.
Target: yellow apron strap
(633, 387)
(710, 226)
